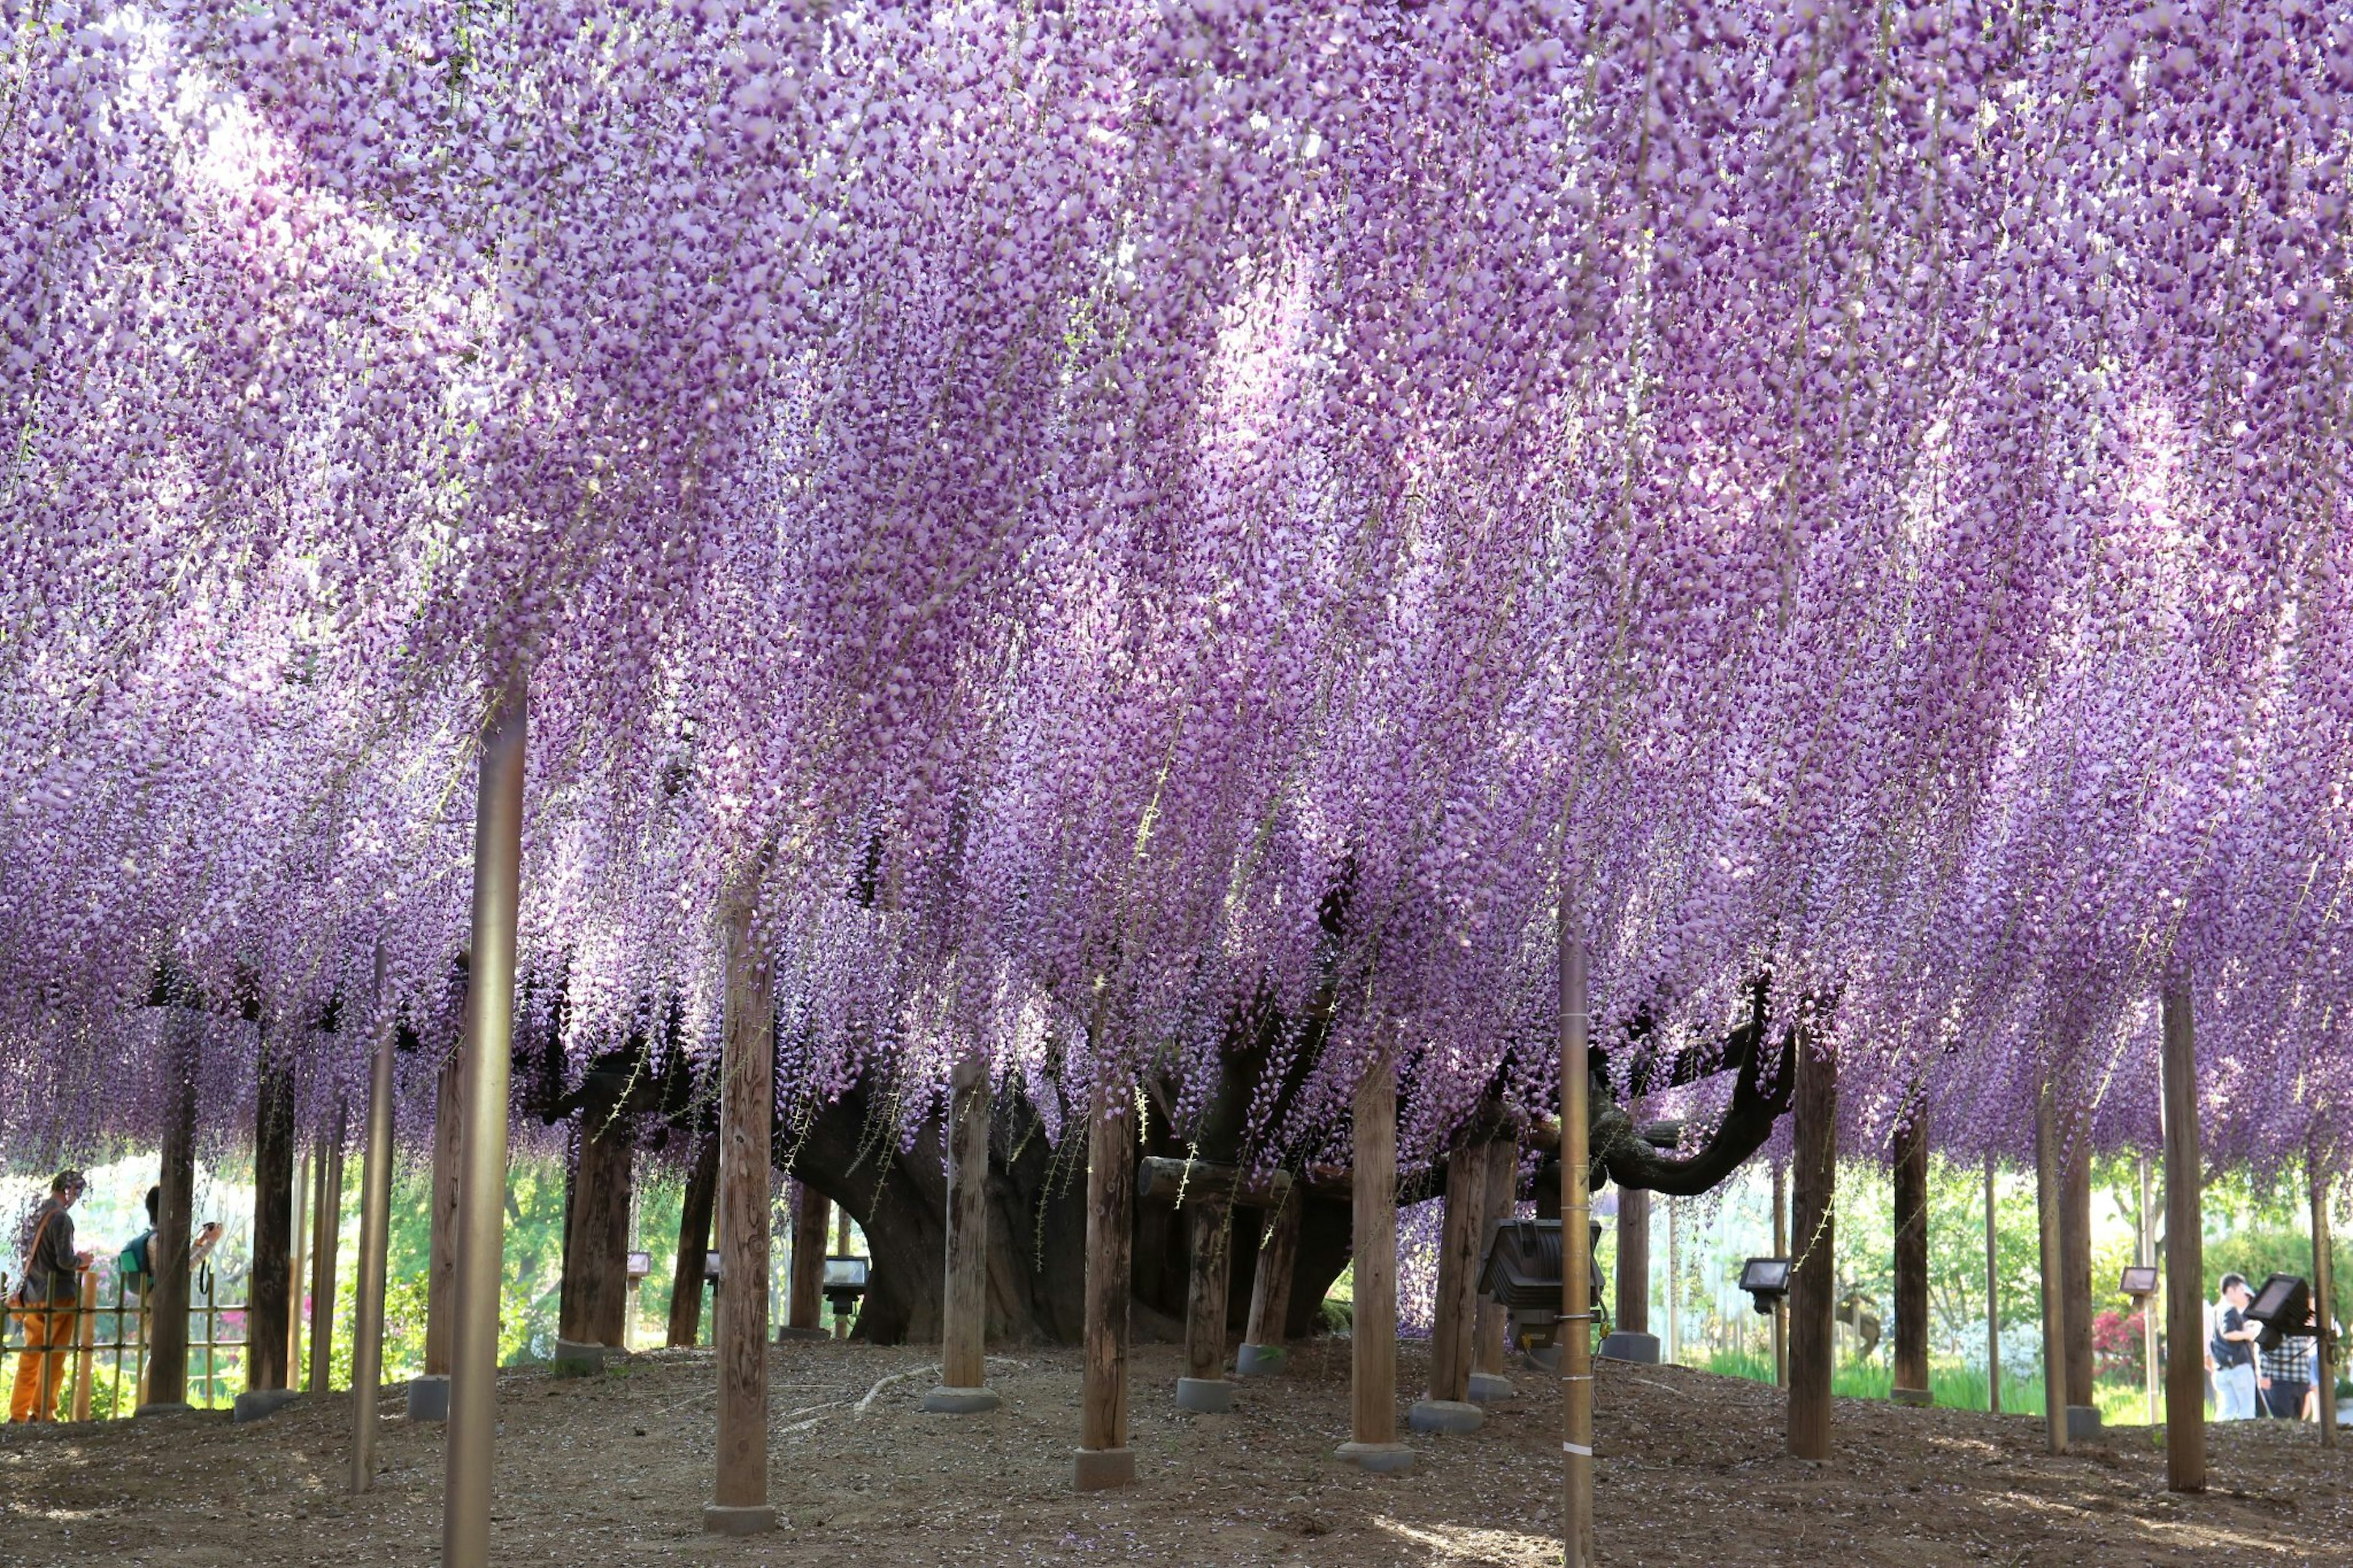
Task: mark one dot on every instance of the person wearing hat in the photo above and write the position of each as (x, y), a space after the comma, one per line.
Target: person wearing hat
(2235, 1391)
(46, 1301)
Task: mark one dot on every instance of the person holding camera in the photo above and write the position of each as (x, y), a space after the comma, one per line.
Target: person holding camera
(44, 1299)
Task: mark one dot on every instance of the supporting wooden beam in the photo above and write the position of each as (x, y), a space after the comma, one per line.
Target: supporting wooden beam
(1910, 1350)
(1633, 1313)
(1159, 1179)
(2048, 1201)
(1454, 1323)
(470, 1449)
(167, 1297)
(1103, 1458)
(687, 1268)
(2075, 1280)
(375, 1232)
(804, 1269)
(429, 1394)
(1373, 1442)
(1262, 1345)
(593, 1304)
(326, 1240)
(964, 1306)
(1575, 1022)
(747, 1099)
(2185, 1251)
(1781, 1249)
(298, 1264)
(1993, 1298)
(1813, 1278)
(1488, 1384)
(1208, 1274)
(2323, 1299)
(271, 1314)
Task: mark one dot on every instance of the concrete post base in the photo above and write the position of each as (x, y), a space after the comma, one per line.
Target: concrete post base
(784, 1334)
(255, 1403)
(428, 1398)
(1445, 1415)
(574, 1359)
(1919, 1398)
(1487, 1388)
(1100, 1469)
(2082, 1422)
(1641, 1349)
(1207, 1396)
(1380, 1458)
(1257, 1360)
(719, 1519)
(946, 1401)
(164, 1410)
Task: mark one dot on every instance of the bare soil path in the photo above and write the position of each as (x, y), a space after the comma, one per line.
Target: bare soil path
(613, 1471)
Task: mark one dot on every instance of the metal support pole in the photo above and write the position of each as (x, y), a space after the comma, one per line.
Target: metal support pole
(483, 1176)
(1993, 1299)
(375, 1225)
(1576, 1249)
(2145, 1255)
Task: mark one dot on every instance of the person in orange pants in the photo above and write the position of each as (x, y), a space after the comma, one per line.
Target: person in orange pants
(45, 1305)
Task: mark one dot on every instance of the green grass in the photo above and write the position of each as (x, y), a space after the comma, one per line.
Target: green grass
(1953, 1387)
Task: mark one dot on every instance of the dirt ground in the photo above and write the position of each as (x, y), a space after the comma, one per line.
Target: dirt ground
(614, 1471)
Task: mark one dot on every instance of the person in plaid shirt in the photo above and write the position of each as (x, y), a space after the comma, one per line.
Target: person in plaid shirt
(2287, 1378)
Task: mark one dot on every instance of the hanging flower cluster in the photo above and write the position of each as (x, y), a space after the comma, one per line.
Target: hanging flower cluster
(1143, 514)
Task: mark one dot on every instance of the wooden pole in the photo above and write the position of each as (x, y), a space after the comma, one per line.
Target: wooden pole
(165, 1314)
(964, 1316)
(1781, 1249)
(593, 1301)
(2048, 1201)
(326, 1237)
(1674, 1292)
(1576, 1246)
(1454, 1321)
(2184, 1252)
(1263, 1342)
(376, 1237)
(1372, 1343)
(2075, 1276)
(1208, 1286)
(1488, 1382)
(685, 1325)
(469, 1451)
(1911, 1351)
(2145, 1253)
(1633, 1313)
(441, 1264)
(1813, 1275)
(805, 1289)
(271, 1317)
(1993, 1299)
(747, 1092)
(2324, 1302)
(85, 1342)
(1103, 1458)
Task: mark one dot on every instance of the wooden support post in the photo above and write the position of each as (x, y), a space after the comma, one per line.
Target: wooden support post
(1264, 1341)
(470, 1449)
(2185, 1251)
(2145, 1253)
(964, 1304)
(1373, 1442)
(376, 1239)
(165, 1312)
(1674, 1287)
(694, 1243)
(1488, 1384)
(1103, 1458)
(1781, 1249)
(1911, 1351)
(1208, 1271)
(593, 1304)
(2048, 1200)
(747, 1092)
(326, 1239)
(298, 1264)
(270, 1317)
(804, 1288)
(2324, 1302)
(1813, 1276)
(1633, 1313)
(1454, 1323)
(1575, 1022)
(441, 1264)
(2075, 1280)
(1993, 1298)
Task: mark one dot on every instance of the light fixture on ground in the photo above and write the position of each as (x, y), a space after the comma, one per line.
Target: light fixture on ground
(845, 1283)
(1767, 1281)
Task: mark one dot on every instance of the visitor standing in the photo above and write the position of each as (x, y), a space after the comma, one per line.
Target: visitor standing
(2286, 1378)
(2233, 1348)
(45, 1301)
